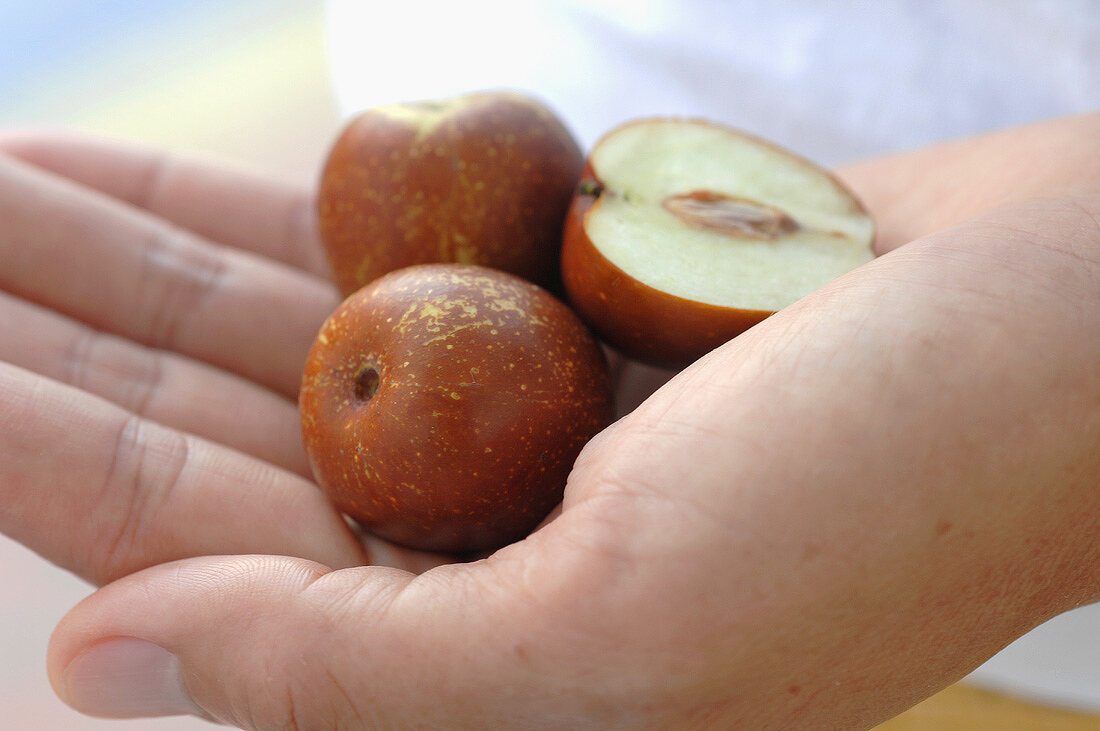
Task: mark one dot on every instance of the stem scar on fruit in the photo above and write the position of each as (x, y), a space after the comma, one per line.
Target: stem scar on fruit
(590, 187)
(366, 383)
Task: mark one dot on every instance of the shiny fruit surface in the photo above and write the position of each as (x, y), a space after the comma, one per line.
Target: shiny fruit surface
(484, 178)
(443, 405)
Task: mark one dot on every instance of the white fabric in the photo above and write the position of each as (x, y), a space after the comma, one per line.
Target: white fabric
(833, 81)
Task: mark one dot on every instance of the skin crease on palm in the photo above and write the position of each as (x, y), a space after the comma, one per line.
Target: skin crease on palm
(817, 525)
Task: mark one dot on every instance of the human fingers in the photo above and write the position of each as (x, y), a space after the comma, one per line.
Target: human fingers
(357, 648)
(161, 386)
(253, 641)
(916, 193)
(102, 492)
(231, 206)
(124, 271)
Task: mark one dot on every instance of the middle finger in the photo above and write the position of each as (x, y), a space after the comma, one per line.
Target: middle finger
(167, 388)
(126, 272)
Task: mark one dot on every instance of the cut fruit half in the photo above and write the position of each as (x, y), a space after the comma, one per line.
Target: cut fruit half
(684, 233)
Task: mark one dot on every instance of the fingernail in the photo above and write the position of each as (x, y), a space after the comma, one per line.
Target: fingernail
(124, 677)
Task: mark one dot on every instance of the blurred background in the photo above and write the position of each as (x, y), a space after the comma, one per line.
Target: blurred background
(245, 79)
(267, 84)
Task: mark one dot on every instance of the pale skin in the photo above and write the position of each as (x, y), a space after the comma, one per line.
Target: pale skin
(815, 526)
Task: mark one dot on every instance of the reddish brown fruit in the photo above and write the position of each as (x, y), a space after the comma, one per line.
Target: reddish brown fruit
(443, 406)
(483, 179)
(684, 234)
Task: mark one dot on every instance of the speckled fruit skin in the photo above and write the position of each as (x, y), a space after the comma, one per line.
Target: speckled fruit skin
(487, 387)
(485, 178)
(639, 321)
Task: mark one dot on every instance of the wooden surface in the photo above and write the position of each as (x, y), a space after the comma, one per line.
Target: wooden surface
(963, 708)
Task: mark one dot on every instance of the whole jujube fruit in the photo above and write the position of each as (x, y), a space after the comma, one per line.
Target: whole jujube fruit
(483, 178)
(443, 405)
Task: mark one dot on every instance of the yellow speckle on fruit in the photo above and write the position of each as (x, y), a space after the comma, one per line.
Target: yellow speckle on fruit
(361, 271)
(503, 305)
(453, 331)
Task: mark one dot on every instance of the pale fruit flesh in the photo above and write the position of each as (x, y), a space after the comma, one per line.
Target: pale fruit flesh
(707, 214)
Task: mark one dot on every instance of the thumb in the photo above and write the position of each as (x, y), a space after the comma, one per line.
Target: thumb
(270, 642)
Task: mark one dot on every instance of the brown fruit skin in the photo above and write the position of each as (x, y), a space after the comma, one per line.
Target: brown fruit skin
(488, 387)
(641, 322)
(489, 185)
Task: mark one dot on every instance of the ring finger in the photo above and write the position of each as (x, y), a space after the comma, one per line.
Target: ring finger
(127, 272)
(164, 387)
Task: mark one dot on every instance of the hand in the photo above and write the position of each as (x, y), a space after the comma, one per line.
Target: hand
(156, 312)
(816, 525)
(176, 301)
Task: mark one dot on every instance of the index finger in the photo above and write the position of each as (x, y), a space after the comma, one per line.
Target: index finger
(243, 209)
(124, 271)
(912, 194)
